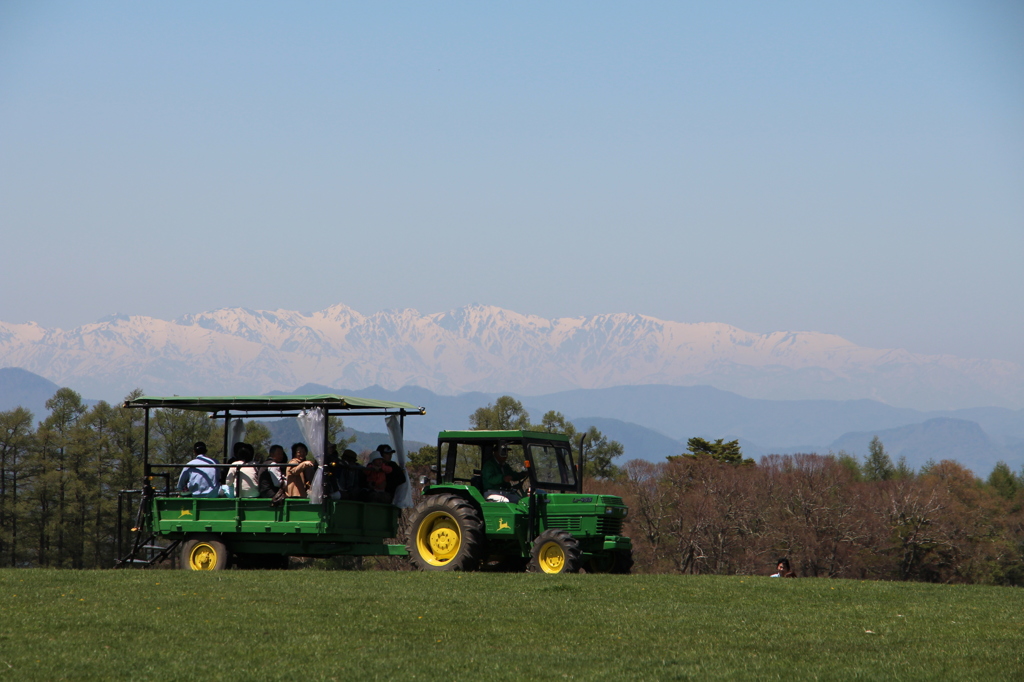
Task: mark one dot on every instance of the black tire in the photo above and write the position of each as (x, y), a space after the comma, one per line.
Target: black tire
(268, 562)
(204, 553)
(601, 563)
(623, 562)
(555, 551)
(446, 535)
(510, 564)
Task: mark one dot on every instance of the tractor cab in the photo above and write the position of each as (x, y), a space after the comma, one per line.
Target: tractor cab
(514, 500)
(537, 461)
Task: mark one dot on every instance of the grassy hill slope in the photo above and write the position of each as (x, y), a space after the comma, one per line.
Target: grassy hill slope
(382, 625)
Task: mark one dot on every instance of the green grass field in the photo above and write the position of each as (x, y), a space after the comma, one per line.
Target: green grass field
(321, 625)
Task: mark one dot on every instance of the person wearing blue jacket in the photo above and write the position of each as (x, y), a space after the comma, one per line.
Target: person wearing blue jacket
(196, 479)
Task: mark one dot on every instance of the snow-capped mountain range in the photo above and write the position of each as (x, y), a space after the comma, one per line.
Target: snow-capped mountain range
(485, 348)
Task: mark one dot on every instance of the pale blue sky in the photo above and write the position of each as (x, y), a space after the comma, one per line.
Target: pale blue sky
(855, 169)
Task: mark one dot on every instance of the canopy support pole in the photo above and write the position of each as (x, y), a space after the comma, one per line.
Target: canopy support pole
(227, 430)
(145, 446)
(327, 431)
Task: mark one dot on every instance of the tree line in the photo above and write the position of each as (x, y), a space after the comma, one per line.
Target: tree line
(707, 510)
(60, 477)
(711, 511)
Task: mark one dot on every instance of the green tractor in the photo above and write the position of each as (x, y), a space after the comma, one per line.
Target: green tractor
(514, 500)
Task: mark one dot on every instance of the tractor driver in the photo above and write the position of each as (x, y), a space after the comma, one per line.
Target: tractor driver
(498, 477)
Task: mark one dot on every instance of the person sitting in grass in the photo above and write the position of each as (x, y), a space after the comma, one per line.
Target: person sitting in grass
(783, 569)
(498, 477)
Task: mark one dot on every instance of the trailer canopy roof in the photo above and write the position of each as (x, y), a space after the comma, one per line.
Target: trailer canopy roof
(278, 404)
(506, 435)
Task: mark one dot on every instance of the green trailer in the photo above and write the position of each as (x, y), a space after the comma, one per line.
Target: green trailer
(546, 524)
(215, 533)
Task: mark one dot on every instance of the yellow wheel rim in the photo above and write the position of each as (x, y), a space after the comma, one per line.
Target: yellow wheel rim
(203, 557)
(438, 538)
(551, 558)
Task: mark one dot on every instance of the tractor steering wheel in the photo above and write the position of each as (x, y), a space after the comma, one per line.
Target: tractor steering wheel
(522, 485)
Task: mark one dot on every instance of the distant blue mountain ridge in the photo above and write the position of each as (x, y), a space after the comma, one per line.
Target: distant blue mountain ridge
(654, 421)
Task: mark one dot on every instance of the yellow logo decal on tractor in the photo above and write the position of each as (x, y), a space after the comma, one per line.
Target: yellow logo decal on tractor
(185, 512)
(502, 525)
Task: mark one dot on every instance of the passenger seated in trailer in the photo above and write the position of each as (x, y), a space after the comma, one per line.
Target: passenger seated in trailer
(269, 476)
(497, 476)
(332, 472)
(196, 479)
(377, 478)
(242, 480)
(237, 455)
(396, 475)
(352, 477)
(300, 475)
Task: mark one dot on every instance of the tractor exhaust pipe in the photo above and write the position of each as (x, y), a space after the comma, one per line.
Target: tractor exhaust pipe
(583, 463)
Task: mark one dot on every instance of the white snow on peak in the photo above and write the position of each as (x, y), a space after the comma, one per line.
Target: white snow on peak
(481, 347)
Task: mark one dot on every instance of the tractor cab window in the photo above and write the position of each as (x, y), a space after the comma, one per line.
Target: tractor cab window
(553, 466)
(462, 462)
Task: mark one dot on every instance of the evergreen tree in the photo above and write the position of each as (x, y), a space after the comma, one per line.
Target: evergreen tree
(57, 458)
(725, 452)
(16, 442)
(1003, 480)
(851, 464)
(878, 465)
(903, 470)
(174, 432)
(424, 457)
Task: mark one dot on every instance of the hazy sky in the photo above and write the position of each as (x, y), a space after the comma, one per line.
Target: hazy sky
(853, 168)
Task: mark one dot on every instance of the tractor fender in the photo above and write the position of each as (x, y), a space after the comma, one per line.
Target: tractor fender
(467, 492)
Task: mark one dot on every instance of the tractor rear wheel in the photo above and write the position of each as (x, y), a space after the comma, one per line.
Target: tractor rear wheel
(447, 535)
(204, 553)
(555, 551)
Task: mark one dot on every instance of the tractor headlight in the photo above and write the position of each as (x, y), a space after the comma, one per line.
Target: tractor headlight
(609, 511)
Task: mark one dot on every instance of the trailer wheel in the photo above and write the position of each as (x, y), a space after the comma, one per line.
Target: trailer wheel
(270, 562)
(555, 551)
(447, 535)
(204, 554)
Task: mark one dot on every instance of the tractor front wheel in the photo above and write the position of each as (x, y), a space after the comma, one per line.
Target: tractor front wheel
(611, 562)
(447, 535)
(204, 554)
(555, 551)
(623, 562)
